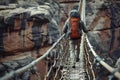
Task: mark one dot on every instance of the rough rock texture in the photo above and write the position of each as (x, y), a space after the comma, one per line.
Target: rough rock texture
(103, 21)
(24, 29)
(21, 29)
(105, 29)
(6, 67)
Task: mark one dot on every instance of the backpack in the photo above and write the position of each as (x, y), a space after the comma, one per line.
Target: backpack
(74, 28)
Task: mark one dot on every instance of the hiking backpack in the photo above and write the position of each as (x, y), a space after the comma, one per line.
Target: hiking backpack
(74, 27)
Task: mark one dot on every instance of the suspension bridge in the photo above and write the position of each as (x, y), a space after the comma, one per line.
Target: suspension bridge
(58, 61)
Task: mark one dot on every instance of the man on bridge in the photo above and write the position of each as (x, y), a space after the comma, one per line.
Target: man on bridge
(73, 30)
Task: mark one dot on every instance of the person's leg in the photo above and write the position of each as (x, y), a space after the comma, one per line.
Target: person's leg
(72, 52)
(78, 50)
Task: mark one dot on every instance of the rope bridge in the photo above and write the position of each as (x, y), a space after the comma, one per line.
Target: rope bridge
(58, 62)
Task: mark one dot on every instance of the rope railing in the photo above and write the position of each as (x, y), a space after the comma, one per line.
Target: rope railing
(62, 51)
(61, 61)
(63, 58)
(88, 63)
(82, 51)
(25, 68)
(57, 62)
(105, 65)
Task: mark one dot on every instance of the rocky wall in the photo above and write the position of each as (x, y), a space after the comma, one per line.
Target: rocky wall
(105, 29)
(103, 19)
(22, 28)
(23, 31)
(6, 67)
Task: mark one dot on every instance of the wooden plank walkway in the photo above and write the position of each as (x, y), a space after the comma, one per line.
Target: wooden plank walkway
(70, 73)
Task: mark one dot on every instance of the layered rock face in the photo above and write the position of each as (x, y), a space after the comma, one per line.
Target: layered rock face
(104, 26)
(10, 66)
(36, 25)
(24, 27)
(103, 20)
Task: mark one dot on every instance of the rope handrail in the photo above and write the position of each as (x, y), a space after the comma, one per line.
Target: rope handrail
(82, 51)
(105, 65)
(23, 69)
(84, 37)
